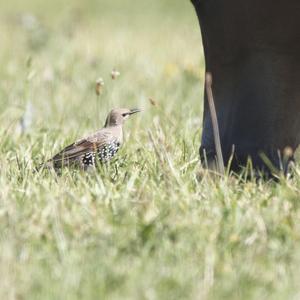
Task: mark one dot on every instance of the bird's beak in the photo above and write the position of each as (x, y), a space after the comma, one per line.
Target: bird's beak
(134, 110)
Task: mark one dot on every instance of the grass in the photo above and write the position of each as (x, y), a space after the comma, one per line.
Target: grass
(147, 226)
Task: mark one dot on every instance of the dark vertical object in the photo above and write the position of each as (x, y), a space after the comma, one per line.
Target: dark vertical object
(252, 48)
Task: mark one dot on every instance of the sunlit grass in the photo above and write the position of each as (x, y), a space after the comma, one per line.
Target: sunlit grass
(150, 225)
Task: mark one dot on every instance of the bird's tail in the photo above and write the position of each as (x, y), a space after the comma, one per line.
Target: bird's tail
(45, 165)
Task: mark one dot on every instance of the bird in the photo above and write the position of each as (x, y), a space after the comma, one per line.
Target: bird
(99, 147)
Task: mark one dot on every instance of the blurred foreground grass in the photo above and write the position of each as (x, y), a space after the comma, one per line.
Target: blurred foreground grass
(145, 227)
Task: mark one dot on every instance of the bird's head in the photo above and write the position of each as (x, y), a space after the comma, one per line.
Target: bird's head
(118, 115)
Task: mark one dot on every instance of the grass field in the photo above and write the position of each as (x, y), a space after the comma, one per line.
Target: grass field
(147, 226)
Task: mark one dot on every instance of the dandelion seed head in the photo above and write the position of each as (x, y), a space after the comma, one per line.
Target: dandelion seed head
(99, 86)
(115, 74)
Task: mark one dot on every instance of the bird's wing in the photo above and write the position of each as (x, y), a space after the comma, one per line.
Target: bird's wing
(85, 145)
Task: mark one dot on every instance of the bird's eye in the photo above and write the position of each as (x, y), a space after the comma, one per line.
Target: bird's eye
(124, 115)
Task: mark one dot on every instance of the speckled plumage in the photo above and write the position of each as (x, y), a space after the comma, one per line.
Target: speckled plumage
(103, 154)
(99, 147)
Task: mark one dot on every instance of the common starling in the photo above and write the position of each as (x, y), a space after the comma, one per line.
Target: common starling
(98, 147)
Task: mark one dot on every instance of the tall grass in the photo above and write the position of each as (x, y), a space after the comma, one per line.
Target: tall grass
(149, 225)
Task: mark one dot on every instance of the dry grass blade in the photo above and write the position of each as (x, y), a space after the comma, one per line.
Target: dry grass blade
(214, 119)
